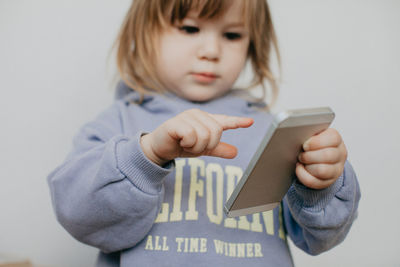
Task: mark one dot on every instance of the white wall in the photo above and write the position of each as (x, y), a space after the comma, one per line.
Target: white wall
(54, 77)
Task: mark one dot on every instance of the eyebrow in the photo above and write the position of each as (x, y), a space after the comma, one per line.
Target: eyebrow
(234, 24)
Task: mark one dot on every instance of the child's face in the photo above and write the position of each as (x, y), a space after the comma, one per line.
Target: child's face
(200, 59)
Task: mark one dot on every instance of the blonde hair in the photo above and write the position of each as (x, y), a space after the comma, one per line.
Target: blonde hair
(144, 21)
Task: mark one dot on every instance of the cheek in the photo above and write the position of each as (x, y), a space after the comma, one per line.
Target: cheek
(235, 65)
(237, 58)
(175, 48)
(168, 58)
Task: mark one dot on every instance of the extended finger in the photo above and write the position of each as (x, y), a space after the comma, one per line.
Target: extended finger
(232, 122)
(328, 138)
(325, 155)
(309, 180)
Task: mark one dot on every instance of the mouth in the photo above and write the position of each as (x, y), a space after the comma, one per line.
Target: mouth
(204, 77)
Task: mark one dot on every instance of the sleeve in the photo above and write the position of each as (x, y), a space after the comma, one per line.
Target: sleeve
(107, 194)
(317, 220)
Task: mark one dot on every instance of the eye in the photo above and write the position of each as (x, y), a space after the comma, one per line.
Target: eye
(189, 29)
(232, 35)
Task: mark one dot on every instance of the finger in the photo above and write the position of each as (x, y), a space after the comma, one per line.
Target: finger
(202, 136)
(222, 150)
(322, 171)
(214, 128)
(232, 122)
(185, 134)
(309, 180)
(328, 138)
(324, 155)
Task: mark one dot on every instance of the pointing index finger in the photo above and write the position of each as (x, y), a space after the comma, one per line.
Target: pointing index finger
(232, 122)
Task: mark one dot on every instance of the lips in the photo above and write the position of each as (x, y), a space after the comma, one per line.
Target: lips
(204, 77)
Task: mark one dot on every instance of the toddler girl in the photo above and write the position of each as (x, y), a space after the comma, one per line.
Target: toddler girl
(146, 180)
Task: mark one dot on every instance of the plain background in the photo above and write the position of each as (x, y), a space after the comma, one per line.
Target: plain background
(54, 76)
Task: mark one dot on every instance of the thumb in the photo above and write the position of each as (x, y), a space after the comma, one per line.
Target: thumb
(223, 150)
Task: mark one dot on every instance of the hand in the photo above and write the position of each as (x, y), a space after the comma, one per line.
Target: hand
(322, 161)
(192, 133)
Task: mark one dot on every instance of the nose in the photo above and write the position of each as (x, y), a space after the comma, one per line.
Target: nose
(210, 47)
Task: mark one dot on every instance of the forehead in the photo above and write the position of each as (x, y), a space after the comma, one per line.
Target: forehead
(204, 9)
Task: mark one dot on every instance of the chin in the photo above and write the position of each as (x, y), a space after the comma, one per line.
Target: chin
(203, 97)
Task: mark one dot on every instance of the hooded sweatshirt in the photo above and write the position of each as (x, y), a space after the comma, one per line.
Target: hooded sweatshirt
(107, 194)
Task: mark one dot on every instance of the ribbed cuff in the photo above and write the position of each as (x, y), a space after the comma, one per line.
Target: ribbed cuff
(313, 199)
(142, 172)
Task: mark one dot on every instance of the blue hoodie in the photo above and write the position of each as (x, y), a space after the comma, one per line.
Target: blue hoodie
(109, 195)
